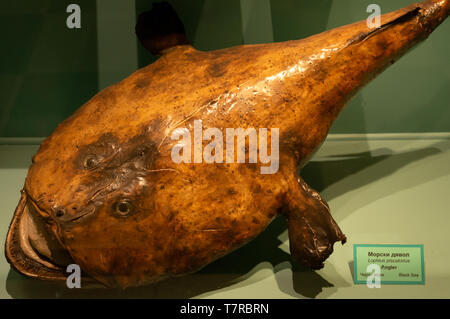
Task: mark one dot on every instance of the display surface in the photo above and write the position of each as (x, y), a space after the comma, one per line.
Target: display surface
(375, 188)
(108, 168)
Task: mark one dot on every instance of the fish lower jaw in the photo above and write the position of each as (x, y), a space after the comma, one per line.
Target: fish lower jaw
(29, 248)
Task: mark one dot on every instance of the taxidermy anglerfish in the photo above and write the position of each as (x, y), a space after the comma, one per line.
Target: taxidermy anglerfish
(104, 192)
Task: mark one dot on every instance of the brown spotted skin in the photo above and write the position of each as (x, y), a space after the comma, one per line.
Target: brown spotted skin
(183, 216)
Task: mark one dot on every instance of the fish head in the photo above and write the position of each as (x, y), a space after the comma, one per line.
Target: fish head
(89, 199)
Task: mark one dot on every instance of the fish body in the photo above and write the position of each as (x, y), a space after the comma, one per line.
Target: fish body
(104, 192)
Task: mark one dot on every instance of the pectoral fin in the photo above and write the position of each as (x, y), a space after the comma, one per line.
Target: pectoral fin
(312, 229)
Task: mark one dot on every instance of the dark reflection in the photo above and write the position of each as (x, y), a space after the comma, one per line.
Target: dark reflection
(263, 252)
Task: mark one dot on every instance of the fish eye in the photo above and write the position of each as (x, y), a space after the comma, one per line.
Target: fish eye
(123, 208)
(59, 213)
(91, 161)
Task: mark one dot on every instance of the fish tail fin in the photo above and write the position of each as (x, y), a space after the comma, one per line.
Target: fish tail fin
(434, 12)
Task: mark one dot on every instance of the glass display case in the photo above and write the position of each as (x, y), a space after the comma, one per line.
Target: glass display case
(384, 169)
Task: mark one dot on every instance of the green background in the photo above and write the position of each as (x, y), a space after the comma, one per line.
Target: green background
(47, 70)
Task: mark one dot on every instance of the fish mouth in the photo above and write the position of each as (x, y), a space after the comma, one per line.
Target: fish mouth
(31, 248)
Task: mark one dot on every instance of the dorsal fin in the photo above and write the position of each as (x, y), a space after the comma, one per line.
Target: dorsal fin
(160, 29)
